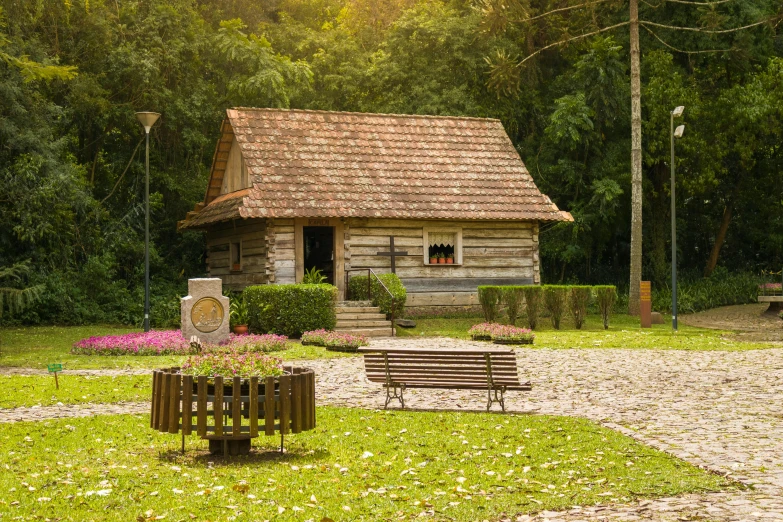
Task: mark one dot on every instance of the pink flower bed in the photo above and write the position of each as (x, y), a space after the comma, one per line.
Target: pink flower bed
(774, 287)
(315, 337)
(171, 342)
(487, 331)
(339, 340)
(155, 342)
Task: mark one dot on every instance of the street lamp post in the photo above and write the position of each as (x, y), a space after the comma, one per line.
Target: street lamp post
(147, 119)
(675, 133)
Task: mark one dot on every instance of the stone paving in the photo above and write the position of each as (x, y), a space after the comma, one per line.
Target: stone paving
(719, 410)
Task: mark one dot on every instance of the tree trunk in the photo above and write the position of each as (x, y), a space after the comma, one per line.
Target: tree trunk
(636, 164)
(712, 262)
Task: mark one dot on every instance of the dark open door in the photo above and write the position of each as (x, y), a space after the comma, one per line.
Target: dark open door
(319, 250)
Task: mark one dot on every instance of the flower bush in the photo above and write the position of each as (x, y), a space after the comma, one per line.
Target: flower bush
(495, 331)
(344, 341)
(232, 363)
(254, 343)
(156, 342)
(315, 337)
(771, 288)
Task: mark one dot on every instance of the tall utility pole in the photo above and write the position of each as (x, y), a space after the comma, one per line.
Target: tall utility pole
(676, 113)
(636, 163)
(147, 119)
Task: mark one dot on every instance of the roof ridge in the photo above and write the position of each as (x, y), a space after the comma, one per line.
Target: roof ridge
(353, 113)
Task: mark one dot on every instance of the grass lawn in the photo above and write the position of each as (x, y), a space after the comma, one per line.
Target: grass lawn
(35, 347)
(624, 332)
(358, 464)
(74, 389)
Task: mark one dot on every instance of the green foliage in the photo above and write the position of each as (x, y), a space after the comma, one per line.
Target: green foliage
(532, 304)
(605, 297)
(238, 311)
(490, 299)
(579, 300)
(555, 301)
(313, 277)
(17, 299)
(291, 309)
(695, 294)
(513, 298)
(357, 289)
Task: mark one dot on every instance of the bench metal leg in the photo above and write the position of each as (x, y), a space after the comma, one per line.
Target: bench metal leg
(499, 398)
(392, 393)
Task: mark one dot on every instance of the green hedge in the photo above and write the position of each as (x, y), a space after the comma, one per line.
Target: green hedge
(605, 297)
(695, 293)
(490, 298)
(532, 304)
(357, 289)
(291, 309)
(579, 300)
(555, 302)
(513, 297)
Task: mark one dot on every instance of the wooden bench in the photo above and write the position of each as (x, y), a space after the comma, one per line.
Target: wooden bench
(494, 370)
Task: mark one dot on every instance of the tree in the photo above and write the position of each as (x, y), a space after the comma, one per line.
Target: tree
(13, 298)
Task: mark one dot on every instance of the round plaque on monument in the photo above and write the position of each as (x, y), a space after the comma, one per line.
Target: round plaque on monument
(207, 315)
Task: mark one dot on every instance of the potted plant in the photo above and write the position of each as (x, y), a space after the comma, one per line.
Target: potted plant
(512, 335)
(482, 332)
(441, 259)
(433, 259)
(449, 259)
(238, 314)
(343, 342)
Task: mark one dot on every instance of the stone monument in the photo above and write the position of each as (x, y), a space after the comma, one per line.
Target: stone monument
(205, 311)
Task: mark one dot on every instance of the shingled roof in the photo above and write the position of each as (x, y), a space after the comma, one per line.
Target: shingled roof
(344, 164)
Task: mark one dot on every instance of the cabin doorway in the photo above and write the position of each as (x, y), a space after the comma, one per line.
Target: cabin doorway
(319, 250)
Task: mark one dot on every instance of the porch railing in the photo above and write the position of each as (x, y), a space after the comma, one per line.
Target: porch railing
(370, 274)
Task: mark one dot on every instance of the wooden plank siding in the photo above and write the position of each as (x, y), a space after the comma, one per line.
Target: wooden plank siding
(493, 252)
(252, 235)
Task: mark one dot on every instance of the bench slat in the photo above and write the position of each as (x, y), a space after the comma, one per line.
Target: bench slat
(391, 351)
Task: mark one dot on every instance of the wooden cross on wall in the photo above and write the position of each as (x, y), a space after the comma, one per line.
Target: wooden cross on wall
(392, 254)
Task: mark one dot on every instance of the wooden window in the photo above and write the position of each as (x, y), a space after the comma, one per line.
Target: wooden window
(443, 246)
(235, 252)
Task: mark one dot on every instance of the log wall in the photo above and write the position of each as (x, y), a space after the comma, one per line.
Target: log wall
(252, 234)
(493, 252)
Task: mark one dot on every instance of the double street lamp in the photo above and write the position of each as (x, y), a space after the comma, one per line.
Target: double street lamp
(147, 119)
(675, 133)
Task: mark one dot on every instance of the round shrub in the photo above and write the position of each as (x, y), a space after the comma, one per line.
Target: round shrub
(357, 289)
(291, 309)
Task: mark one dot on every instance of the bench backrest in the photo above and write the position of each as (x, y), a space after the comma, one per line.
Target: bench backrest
(442, 367)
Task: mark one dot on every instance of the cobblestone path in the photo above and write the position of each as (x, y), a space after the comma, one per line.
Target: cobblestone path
(719, 410)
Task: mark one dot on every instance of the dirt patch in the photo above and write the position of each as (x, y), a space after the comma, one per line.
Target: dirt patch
(748, 322)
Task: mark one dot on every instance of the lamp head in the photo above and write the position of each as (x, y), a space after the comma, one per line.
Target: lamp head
(677, 112)
(678, 131)
(148, 119)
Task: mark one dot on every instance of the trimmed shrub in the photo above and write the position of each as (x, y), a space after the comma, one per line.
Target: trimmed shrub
(357, 289)
(532, 304)
(579, 300)
(512, 297)
(555, 298)
(291, 309)
(605, 296)
(489, 297)
(696, 293)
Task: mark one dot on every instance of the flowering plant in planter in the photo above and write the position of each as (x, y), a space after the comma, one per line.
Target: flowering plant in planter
(154, 342)
(483, 331)
(315, 337)
(507, 334)
(232, 363)
(344, 342)
(771, 288)
(253, 343)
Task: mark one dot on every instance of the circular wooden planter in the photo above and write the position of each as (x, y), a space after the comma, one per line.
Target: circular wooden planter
(230, 411)
(513, 341)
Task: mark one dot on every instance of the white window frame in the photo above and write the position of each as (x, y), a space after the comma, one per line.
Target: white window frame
(440, 230)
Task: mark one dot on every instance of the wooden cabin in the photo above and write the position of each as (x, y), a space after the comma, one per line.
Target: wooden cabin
(295, 189)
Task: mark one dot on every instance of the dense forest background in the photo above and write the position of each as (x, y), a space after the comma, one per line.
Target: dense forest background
(71, 150)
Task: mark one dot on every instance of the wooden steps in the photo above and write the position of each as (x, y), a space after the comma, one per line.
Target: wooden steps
(361, 318)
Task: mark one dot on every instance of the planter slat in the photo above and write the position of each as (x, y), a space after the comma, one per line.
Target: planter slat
(218, 405)
(285, 404)
(155, 391)
(253, 407)
(269, 406)
(236, 406)
(296, 404)
(174, 403)
(201, 407)
(165, 402)
(187, 404)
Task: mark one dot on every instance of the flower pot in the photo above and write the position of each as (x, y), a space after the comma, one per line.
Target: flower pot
(449, 261)
(441, 261)
(239, 329)
(236, 267)
(433, 260)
